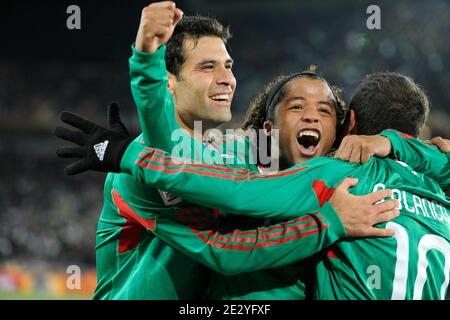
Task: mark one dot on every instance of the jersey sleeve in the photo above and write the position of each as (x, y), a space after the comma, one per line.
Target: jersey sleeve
(420, 155)
(155, 106)
(284, 195)
(197, 233)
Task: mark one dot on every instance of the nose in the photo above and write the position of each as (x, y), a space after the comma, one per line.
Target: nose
(310, 115)
(225, 77)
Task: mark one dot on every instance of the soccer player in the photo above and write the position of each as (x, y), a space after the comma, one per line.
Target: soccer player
(415, 263)
(131, 262)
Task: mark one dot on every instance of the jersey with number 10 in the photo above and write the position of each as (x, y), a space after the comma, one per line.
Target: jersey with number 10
(412, 265)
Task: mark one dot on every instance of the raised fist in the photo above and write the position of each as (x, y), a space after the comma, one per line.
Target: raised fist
(158, 21)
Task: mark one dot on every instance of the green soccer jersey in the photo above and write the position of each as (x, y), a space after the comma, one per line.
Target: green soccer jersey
(133, 262)
(413, 264)
(422, 156)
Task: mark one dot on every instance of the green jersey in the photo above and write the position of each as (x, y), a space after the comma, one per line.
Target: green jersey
(413, 264)
(133, 262)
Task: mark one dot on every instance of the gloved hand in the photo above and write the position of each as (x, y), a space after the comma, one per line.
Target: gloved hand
(98, 149)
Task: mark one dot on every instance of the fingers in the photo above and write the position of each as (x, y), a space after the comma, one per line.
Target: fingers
(378, 232)
(345, 150)
(70, 152)
(386, 206)
(359, 148)
(70, 135)
(379, 195)
(163, 22)
(158, 21)
(347, 183)
(163, 4)
(164, 14)
(447, 149)
(442, 144)
(115, 123)
(366, 154)
(385, 216)
(76, 167)
(355, 156)
(178, 14)
(77, 121)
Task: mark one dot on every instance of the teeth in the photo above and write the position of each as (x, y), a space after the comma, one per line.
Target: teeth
(220, 97)
(309, 133)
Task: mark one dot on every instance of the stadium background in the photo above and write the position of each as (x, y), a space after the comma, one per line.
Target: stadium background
(47, 220)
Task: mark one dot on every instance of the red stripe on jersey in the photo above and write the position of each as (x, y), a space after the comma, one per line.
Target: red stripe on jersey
(195, 219)
(265, 236)
(203, 215)
(323, 193)
(167, 162)
(213, 236)
(193, 229)
(265, 232)
(268, 229)
(130, 233)
(155, 151)
(268, 243)
(189, 169)
(405, 135)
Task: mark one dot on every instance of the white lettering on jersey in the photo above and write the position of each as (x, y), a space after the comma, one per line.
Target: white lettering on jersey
(415, 204)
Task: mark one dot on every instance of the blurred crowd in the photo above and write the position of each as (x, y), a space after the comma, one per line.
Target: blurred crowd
(45, 215)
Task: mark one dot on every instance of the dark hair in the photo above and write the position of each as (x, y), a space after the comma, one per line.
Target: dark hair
(256, 115)
(389, 100)
(191, 27)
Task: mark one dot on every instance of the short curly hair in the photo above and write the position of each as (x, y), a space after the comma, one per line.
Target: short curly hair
(256, 115)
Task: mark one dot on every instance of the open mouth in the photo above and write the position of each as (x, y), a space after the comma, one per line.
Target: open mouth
(308, 141)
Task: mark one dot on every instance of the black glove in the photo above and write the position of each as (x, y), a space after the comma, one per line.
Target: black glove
(98, 149)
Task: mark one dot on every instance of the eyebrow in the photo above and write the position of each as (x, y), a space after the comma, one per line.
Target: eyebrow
(295, 98)
(326, 102)
(206, 61)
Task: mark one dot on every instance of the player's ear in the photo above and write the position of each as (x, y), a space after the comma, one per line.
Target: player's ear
(171, 82)
(352, 122)
(267, 126)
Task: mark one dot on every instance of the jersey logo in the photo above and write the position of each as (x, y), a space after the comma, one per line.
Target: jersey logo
(168, 198)
(100, 149)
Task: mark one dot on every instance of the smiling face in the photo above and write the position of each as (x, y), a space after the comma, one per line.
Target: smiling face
(306, 119)
(205, 86)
